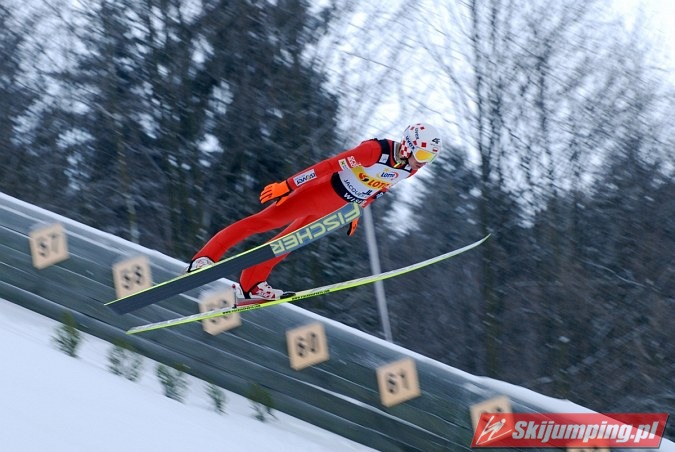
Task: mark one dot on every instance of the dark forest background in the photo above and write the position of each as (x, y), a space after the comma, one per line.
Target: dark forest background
(160, 121)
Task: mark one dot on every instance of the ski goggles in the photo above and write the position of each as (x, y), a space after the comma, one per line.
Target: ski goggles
(423, 155)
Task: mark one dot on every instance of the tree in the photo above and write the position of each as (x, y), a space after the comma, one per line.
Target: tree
(67, 337)
(16, 99)
(94, 119)
(437, 309)
(164, 90)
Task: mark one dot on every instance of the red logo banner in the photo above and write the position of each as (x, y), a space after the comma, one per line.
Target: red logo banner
(560, 430)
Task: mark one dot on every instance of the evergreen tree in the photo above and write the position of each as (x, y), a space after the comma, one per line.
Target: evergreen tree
(124, 361)
(67, 337)
(173, 380)
(19, 162)
(117, 169)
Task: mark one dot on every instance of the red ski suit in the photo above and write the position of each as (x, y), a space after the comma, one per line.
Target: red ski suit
(357, 175)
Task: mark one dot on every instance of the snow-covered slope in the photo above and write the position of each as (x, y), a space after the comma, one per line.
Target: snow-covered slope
(50, 402)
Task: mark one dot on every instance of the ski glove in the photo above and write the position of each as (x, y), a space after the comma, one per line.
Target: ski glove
(352, 227)
(275, 190)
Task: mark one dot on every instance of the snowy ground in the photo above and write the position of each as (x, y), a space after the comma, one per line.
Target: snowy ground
(50, 402)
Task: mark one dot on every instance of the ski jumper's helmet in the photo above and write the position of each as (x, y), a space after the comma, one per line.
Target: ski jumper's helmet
(421, 141)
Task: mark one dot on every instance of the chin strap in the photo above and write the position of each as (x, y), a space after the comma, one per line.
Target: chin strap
(400, 161)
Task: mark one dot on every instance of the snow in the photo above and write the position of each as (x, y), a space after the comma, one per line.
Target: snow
(52, 402)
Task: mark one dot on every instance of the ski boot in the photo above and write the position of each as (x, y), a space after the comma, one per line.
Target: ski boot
(198, 263)
(264, 291)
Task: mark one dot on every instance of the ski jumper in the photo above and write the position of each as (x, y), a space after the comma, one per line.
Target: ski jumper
(359, 175)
